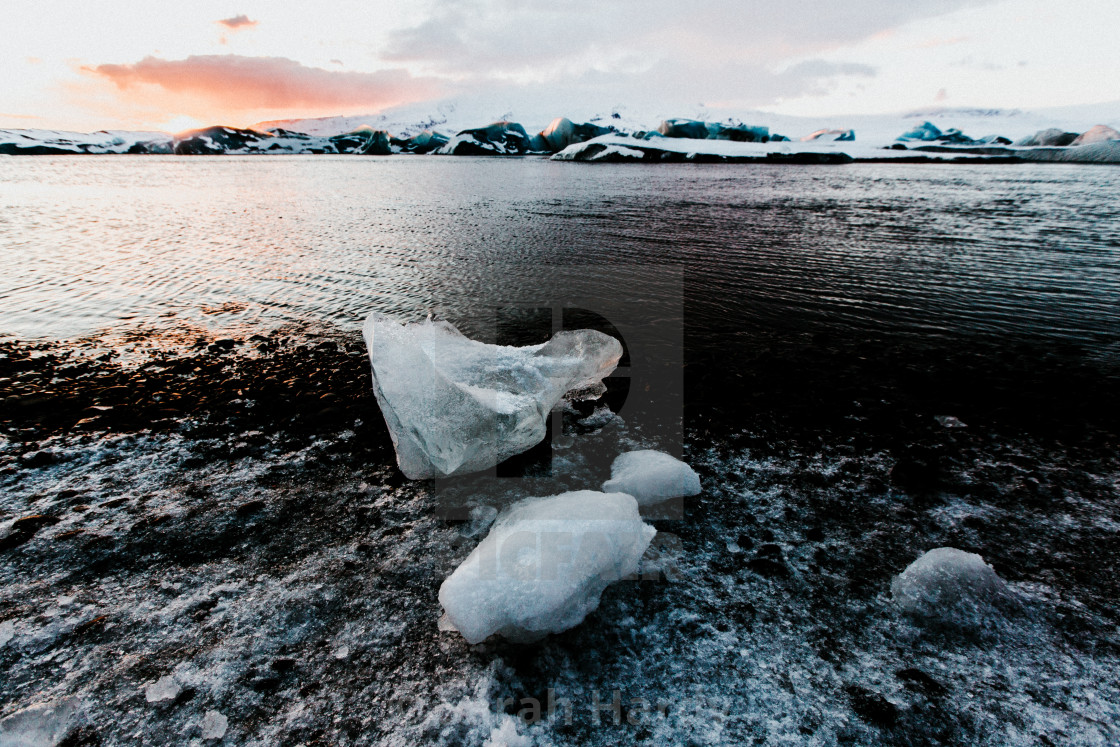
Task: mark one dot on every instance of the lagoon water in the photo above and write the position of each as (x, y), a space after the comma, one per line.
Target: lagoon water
(1025, 251)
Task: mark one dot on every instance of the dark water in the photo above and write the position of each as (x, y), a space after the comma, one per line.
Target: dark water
(1029, 252)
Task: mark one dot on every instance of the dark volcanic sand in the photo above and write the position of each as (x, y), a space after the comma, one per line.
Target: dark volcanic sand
(232, 518)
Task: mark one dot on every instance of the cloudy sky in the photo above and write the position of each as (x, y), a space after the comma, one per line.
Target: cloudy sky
(98, 64)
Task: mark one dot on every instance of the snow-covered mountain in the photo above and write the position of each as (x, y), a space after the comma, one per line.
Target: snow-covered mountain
(50, 142)
(452, 115)
(428, 127)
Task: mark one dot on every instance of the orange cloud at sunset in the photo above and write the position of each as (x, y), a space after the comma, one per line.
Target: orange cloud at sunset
(235, 88)
(238, 22)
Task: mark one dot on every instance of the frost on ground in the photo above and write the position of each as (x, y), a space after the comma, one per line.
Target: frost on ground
(286, 579)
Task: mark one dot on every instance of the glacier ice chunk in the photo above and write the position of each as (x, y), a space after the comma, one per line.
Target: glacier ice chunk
(165, 688)
(214, 725)
(544, 565)
(42, 724)
(950, 585)
(455, 405)
(651, 477)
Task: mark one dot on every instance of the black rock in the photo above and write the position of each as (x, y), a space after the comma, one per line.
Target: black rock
(283, 664)
(40, 458)
(916, 679)
(250, 507)
(24, 529)
(872, 707)
(770, 550)
(264, 682)
(769, 567)
(917, 470)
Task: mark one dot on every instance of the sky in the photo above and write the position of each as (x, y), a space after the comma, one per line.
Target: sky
(130, 64)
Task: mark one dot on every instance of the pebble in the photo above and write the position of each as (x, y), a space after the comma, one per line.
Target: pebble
(40, 458)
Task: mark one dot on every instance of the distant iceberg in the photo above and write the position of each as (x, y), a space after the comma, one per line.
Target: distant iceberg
(497, 139)
(1097, 134)
(562, 132)
(364, 141)
(839, 136)
(925, 131)
(1049, 138)
(425, 142)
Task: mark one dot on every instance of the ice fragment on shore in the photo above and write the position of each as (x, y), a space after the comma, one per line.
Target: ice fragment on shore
(651, 477)
(544, 565)
(41, 724)
(214, 725)
(7, 632)
(949, 585)
(454, 405)
(165, 688)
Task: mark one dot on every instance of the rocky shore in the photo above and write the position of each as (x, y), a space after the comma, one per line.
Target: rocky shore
(208, 542)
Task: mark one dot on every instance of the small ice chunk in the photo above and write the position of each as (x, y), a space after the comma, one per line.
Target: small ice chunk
(599, 418)
(949, 421)
(214, 725)
(165, 688)
(506, 735)
(544, 565)
(651, 477)
(41, 724)
(454, 405)
(342, 652)
(7, 632)
(950, 585)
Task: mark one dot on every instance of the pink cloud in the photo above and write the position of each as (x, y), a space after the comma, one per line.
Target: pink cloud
(235, 83)
(238, 22)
